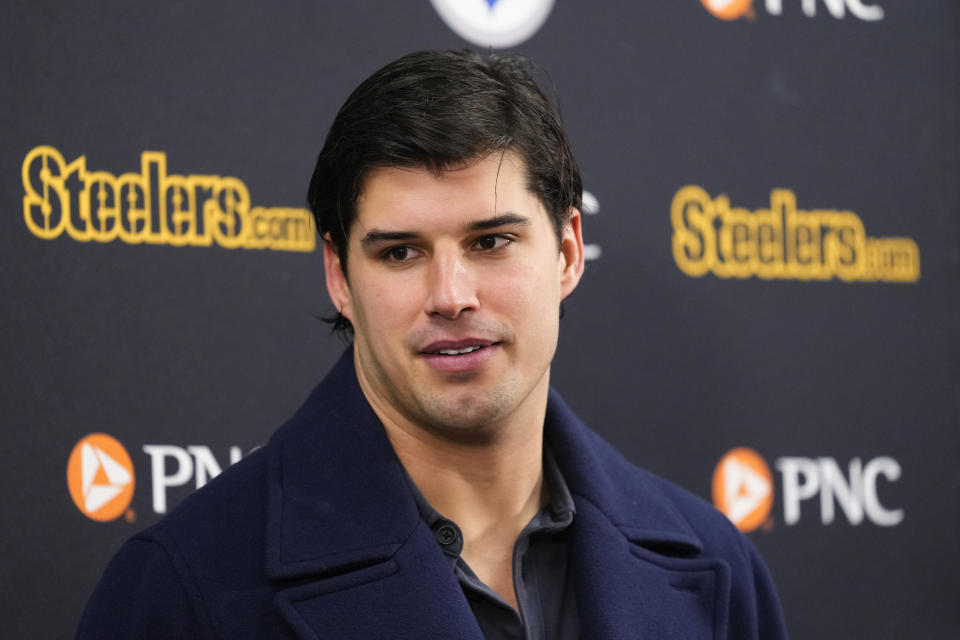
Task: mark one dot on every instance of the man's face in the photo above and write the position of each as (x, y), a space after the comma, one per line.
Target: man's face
(455, 283)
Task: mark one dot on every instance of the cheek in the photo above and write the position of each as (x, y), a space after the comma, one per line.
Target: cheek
(529, 291)
(384, 304)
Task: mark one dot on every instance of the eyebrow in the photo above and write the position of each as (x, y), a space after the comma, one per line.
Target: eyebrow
(376, 236)
(499, 221)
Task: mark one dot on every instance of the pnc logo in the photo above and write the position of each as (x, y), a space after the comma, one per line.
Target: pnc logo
(734, 9)
(743, 488)
(729, 9)
(100, 477)
(494, 23)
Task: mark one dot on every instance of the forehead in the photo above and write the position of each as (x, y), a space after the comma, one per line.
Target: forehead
(414, 196)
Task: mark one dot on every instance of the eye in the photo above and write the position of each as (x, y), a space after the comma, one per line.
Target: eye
(401, 253)
(492, 242)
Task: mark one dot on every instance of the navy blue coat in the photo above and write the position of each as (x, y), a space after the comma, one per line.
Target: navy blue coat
(316, 535)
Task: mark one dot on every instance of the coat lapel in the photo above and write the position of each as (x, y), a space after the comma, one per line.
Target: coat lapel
(346, 546)
(627, 591)
(350, 556)
(633, 557)
(413, 595)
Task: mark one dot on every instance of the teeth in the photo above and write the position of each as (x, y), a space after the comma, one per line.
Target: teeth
(457, 352)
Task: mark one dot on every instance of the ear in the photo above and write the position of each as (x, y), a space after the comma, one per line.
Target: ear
(571, 253)
(337, 286)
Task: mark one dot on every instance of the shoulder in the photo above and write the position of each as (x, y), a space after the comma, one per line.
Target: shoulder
(640, 496)
(666, 520)
(649, 497)
(633, 497)
(165, 580)
(203, 568)
(141, 595)
(754, 608)
(713, 528)
(218, 520)
(225, 523)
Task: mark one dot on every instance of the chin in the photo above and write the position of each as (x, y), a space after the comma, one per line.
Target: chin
(468, 417)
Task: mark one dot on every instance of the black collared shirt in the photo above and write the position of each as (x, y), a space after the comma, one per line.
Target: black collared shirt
(545, 593)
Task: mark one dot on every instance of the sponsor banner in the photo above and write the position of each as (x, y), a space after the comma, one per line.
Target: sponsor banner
(819, 284)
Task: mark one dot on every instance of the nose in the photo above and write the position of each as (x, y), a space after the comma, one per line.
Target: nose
(452, 287)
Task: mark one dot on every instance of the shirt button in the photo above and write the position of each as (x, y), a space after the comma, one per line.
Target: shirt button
(448, 535)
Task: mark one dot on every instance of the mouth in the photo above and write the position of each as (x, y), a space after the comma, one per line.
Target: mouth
(459, 355)
(456, 348)
(458, 352)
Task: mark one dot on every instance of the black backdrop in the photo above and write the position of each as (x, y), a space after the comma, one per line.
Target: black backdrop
(839, 369)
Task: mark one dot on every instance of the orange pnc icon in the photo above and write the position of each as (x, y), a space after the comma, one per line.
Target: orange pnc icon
(728, 9)
(100, 477)
(743, 488)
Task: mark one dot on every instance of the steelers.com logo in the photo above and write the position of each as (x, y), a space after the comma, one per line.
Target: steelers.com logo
(494, 23)
(728, 9)
(100, 477)
(743, 488)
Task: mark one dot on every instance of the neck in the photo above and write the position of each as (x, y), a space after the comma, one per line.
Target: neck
(490, 477)
(494, 486)
(491, 490)
(490, 484)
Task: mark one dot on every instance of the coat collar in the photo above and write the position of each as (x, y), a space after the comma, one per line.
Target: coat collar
(338, 498)
(635, 560)
(629, 497)
(353, 558)
(336, 492)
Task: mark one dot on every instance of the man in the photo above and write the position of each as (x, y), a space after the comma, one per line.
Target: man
(433, 486)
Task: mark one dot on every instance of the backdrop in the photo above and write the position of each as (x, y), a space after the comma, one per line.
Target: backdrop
(770, 315)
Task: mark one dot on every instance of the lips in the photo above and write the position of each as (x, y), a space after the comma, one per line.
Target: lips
(458, 356)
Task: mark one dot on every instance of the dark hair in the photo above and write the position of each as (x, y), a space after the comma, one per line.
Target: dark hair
(438, 110)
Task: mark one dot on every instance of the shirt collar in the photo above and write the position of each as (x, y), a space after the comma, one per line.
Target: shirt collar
(554, 516)
(333, 457)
